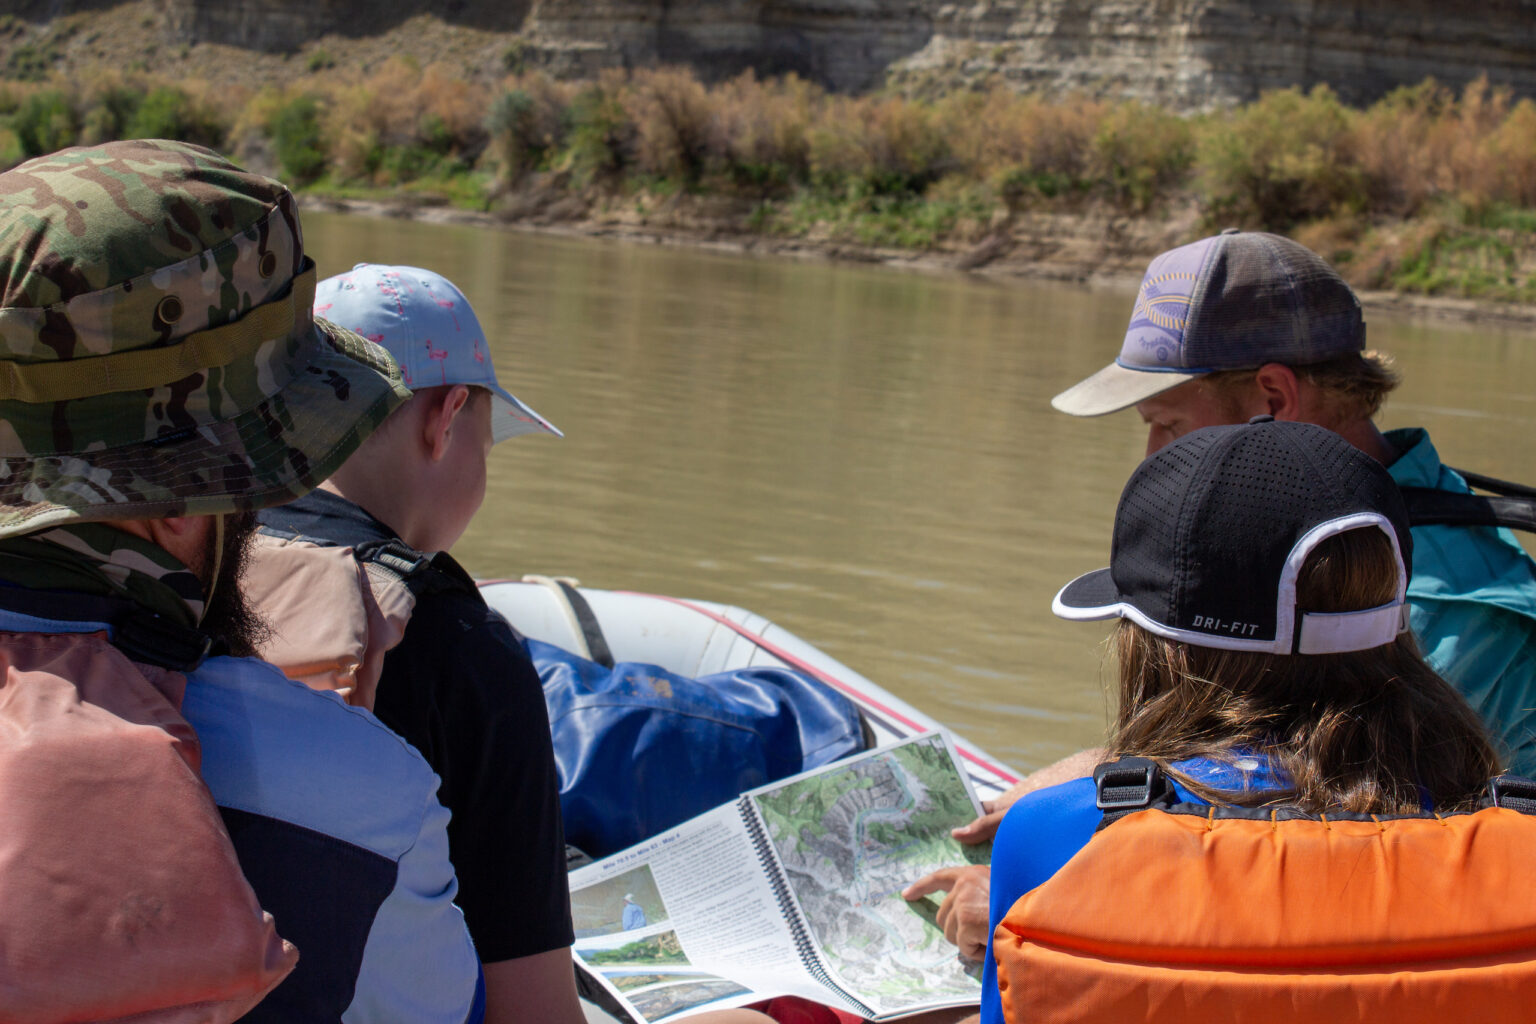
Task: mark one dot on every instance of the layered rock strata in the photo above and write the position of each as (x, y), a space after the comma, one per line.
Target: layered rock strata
(1188, 54)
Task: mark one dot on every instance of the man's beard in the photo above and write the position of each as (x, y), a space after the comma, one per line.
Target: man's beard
(227, 616)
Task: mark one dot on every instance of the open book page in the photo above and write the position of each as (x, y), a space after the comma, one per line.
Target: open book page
(687, 921)
(848, 838)
(793, 890)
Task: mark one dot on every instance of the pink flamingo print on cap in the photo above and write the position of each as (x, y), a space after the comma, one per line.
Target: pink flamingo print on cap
(440, 355)
(448, 305)
(479, 356)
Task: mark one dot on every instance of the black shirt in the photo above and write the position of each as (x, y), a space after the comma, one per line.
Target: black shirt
(461, 689)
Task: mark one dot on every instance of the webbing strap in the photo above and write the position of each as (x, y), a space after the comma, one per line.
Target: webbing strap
(1128, 785)
(1430, 507)
(146, 368)
(1513, 792)
(579, 615)
(1494, 484)
(591, 631)
(139, 633)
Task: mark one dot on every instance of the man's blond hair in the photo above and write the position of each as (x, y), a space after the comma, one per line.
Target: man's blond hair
(1353, 386)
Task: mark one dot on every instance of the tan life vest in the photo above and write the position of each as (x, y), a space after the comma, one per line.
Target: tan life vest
(333, 617)
(1271, 916)
(123, 897)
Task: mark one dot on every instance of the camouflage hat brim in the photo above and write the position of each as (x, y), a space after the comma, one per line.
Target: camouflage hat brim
(159, 353)
(270, 453)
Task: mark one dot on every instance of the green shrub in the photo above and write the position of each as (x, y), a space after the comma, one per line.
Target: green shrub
(434, 135)
(878, 147)
(409, 162)
(45, 121)
(1140, 154)
(10, 99)
(602, 135)
(1280, 161)
(522, 139)
(297, 140)
(759, 132)
(108, 114)
(672, 113)
(169, 113)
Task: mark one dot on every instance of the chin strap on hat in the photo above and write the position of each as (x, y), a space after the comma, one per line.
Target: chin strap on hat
(218, 564)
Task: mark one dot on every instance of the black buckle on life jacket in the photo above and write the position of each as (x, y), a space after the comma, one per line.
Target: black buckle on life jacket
(1128, 785)
(1512, 792)
(421, 573)
(395, 555)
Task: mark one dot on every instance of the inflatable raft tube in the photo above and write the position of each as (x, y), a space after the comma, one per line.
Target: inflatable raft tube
(697, 638)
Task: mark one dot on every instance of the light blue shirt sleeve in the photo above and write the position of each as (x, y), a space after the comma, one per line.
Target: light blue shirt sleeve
(419, 963)
(275, 748)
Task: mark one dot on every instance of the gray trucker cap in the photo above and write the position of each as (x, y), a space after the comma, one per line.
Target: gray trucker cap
(1233, 301)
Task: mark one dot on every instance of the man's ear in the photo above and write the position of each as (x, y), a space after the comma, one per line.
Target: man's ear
(185, 537)
(1280, 389)
(437, 430)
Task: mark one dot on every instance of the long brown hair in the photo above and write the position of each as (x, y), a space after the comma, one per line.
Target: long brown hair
(1374, 731)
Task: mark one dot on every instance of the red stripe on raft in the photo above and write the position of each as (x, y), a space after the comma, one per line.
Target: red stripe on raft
(796, 662)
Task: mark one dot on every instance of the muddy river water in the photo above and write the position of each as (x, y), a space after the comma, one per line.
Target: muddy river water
(865, 456)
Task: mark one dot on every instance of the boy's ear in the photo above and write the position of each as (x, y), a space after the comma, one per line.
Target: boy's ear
(437, 426)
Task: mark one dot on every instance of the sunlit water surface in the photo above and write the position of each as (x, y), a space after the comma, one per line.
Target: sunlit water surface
(865, 456)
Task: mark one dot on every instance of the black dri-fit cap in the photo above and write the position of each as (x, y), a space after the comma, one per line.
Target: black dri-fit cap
(1212, 531)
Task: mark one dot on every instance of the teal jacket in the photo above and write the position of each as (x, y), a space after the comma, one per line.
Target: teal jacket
(1472, 605)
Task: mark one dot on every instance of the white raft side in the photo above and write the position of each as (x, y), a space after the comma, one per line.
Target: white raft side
(685, 638)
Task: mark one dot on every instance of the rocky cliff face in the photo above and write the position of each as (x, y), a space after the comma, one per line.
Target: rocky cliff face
(1197, 53)
(1186, 53)
(279, 26)
(844, 44)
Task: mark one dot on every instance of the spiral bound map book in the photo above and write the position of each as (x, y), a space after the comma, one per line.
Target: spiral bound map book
(793, 889)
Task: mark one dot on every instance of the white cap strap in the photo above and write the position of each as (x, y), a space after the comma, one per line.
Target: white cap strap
(1336, 632)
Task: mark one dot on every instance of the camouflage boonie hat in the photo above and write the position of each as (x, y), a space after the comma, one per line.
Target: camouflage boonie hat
(158, 353)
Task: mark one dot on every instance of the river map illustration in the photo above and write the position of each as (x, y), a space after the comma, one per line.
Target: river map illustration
(850, 840)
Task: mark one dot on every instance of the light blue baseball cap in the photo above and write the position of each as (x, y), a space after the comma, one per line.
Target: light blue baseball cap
(428, 326)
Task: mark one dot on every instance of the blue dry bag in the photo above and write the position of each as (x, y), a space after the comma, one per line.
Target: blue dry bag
(641, 749)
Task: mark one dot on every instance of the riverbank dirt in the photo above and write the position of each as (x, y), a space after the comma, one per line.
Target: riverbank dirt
(1092, 249)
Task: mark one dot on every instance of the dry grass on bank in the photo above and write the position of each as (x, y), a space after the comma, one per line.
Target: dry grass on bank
(1427, 190)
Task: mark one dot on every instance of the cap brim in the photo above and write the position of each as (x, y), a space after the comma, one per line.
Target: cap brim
(510, 417)
(279, 449)
(1090, 597)
(1114, 388)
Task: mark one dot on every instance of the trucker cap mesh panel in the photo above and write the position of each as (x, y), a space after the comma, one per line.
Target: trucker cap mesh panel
(1268, 299)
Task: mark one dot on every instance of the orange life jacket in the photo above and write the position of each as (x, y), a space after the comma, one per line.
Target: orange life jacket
(1189, 912)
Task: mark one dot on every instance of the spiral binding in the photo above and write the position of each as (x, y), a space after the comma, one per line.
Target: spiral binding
(803, 944)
